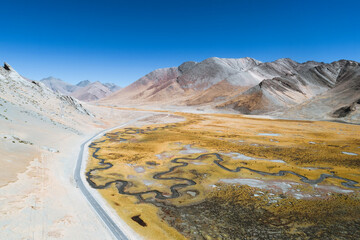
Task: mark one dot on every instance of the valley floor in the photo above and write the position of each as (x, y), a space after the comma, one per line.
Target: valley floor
(245, 177)
(174, 174)
(38, 195)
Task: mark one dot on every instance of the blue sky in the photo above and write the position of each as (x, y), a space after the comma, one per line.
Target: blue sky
(120, 41)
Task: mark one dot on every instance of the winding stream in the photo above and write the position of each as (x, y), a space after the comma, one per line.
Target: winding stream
(182, 162)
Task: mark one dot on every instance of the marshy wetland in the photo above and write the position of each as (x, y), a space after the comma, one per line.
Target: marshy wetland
(217, 176)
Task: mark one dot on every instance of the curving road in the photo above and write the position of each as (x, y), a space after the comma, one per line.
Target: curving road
(102, 213)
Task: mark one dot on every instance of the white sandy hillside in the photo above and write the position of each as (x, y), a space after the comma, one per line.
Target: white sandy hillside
(40, 137)
(37, 99)
(29, 113)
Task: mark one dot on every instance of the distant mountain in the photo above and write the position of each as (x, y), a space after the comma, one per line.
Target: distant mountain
(91, 92)
(58, 85)
(283, 87)
(112, 86)
(212, 80)
(83, 83)
(84, 90)
(158, 85)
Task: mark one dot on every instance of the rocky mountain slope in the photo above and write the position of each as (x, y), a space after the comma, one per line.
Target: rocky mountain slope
(247, 86)
(84, 90)
(341, 102)
(292, 87)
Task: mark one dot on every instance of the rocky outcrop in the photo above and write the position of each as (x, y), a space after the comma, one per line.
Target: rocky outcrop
(186, 66)
(7, 66)
(74, 103)
(344, 111)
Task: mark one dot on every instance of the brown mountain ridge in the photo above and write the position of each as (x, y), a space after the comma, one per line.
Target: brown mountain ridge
(248, 86)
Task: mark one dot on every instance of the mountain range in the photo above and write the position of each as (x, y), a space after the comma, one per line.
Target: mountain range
(84, 90)
(282, 88)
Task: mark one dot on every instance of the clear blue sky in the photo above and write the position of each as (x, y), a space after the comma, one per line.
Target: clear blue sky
(120, 41)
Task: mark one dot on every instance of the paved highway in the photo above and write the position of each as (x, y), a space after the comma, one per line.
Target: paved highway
(109, 222)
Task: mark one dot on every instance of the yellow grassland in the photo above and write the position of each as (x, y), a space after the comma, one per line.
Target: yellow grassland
(222, 133)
